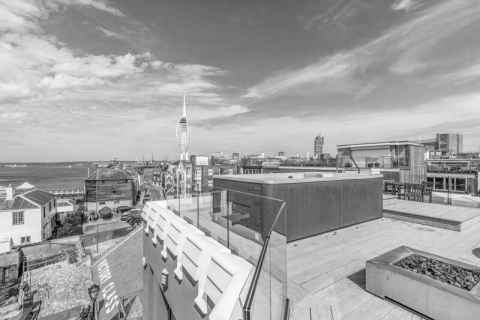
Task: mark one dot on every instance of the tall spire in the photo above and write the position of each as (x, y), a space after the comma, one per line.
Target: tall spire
(184, 114)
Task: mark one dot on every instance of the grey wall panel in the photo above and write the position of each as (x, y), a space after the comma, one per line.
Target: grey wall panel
(312, 207)
(359, 201)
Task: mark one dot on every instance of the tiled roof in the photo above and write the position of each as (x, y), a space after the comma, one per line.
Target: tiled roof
(18, 203)
(21, 203)
(38, 196)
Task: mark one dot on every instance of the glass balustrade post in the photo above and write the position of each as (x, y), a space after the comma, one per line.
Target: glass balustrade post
(198, 209)
(229, 210)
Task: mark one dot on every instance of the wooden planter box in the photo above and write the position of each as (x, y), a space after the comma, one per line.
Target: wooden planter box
(434, 298)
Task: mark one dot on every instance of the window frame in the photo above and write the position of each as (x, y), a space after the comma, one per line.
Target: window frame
(16, 221)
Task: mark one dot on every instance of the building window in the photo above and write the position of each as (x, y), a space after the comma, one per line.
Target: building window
(17, 218)
(25, 239)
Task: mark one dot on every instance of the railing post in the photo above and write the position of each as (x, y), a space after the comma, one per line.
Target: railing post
(198, 210)
(229, 210)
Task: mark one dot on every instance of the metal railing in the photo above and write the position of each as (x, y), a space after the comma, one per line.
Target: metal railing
(253, 227)
(247, 309)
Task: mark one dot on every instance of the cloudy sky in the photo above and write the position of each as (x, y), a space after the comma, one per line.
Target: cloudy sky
(97, 79)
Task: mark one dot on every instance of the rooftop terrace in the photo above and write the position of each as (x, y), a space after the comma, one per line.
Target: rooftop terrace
(326, 273)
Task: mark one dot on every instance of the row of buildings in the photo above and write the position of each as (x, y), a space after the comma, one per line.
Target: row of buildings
(438, 164)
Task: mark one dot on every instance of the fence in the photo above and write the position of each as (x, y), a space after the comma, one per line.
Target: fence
(409, 191)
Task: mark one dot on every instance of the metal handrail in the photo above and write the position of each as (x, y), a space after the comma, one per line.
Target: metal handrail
(253, 286)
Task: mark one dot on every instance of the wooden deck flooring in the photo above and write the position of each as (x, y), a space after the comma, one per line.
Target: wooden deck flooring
(327, 273)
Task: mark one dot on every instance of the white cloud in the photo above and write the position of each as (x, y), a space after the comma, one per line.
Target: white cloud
(99, 66)
(405, 5)
(12, 115)
(33, 60)
(63, 81)
(220, 112)
(99, 5)
(110, 33)
(457, 113)
(463, 75)
(35, 64)
(11, 90)
(402, 50)
(337, 66)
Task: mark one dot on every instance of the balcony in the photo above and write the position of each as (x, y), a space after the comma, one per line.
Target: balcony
(233, 253)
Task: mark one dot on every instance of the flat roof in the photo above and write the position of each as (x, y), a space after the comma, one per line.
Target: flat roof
(296, 177)
(326, 273)
(309, 168)
(379, 144)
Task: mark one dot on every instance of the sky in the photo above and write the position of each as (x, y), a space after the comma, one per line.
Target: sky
(98, 79)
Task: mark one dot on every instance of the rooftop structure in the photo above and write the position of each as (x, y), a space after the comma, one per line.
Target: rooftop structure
(398, 161)
(334, 200)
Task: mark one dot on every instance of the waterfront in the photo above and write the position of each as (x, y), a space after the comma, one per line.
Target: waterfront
(46, 176)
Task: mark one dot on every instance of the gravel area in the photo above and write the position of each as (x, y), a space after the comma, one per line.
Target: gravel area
(62, 286)
(439, 270)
